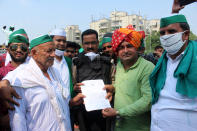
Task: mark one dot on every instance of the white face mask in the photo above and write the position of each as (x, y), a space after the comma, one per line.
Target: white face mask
(91, 55)
(172, 43)
(59, 52)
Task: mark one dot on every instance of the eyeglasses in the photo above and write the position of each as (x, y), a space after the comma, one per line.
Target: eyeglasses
(109, 47)
(15, 47)
(92, 42)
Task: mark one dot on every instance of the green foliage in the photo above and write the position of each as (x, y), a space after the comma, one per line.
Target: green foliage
(152, 41)
(192, 36)
(103, 30)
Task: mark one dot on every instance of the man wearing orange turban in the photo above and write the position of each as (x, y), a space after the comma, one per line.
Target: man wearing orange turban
(132, 88)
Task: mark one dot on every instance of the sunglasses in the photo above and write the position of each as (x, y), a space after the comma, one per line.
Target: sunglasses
(15, 47)
(109, 47)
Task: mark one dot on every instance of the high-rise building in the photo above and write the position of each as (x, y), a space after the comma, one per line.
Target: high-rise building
(73, 33)
(119, 19)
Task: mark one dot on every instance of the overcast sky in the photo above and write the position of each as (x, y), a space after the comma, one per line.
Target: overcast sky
(38, 17)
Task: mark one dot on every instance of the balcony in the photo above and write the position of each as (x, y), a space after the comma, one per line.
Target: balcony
(103, 26)
(77, 34)
(77, 38)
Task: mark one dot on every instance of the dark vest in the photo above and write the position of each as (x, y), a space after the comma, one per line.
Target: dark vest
(99, 68)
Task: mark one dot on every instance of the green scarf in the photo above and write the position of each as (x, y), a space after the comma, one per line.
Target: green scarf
(186, 73)
(69, 63)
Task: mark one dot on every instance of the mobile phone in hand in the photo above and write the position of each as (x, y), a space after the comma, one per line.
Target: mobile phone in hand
(186, 2)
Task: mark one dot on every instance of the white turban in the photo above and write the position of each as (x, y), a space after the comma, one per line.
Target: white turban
(58, 32)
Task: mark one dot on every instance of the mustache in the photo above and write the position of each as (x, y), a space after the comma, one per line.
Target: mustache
(50, 59)
(90, 49)
(19, 52)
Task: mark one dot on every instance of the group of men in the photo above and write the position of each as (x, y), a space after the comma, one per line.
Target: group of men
(51, 70)
(46, 85)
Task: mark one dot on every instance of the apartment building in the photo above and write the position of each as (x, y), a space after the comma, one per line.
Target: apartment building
(120, 19)
(73, 33)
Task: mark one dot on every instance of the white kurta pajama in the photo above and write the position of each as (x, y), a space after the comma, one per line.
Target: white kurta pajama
(62, 69)
(44, 103)
(173, 111)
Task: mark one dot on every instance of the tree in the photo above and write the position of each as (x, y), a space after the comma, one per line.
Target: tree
(192, 36)
(152, 41)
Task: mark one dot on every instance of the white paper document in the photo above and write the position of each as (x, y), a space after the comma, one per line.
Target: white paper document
(94, 95)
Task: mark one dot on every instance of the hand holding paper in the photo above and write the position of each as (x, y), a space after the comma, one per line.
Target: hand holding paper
(95, 95)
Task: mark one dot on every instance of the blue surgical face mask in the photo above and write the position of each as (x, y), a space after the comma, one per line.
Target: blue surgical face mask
(172, 43)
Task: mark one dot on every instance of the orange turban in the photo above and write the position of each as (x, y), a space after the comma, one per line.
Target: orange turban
(129, 35)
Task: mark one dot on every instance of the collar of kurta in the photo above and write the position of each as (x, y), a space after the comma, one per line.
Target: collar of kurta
(133, 66)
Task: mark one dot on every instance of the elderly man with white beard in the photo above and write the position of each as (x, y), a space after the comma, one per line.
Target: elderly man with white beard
(45, 98)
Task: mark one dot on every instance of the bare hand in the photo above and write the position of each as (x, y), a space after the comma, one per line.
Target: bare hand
(109, 112)
(77, 87)
(176, 6)
(6, 93)
(109, 96)
(77, 100)
(109, 88)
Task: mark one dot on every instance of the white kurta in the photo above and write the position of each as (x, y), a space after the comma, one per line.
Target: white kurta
(42, 108)
(173, 111)
(62, 68)
(10, 75)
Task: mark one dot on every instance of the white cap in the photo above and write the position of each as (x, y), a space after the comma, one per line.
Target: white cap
(58, 32)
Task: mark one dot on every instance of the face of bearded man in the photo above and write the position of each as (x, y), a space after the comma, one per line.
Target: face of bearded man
(44, 54)
(18, 52)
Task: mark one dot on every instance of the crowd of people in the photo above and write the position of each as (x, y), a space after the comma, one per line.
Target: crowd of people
(40, 87)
